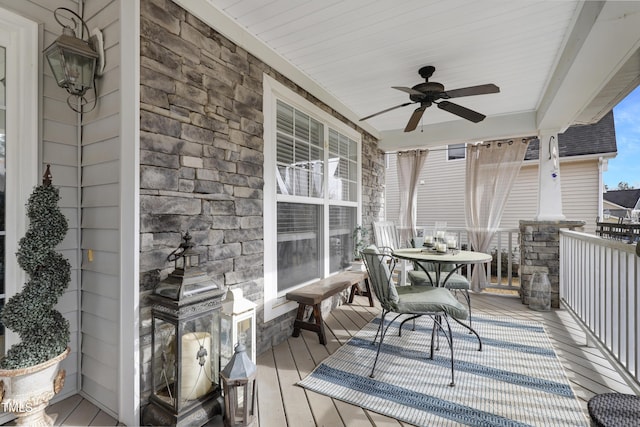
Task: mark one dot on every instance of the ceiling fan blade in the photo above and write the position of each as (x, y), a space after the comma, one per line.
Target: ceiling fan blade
(471, 90)
(461, 111)
(388, 109)
(408, 90)
(415, 118)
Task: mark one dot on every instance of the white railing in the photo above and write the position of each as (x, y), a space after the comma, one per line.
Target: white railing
(506, 254)
(599, 281)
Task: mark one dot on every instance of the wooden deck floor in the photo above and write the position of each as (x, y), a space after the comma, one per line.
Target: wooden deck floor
(282, 403)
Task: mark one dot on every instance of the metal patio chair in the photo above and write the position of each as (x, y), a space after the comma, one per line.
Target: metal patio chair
(415, 301)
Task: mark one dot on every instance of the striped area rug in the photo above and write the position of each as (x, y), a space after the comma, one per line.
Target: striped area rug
(516, 380)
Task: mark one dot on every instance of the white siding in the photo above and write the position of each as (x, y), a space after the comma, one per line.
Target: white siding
(59, 138)
(95, 325)
(580, 192)
(101, 220)
(441, 196)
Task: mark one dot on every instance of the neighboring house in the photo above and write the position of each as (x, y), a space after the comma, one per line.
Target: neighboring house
(621, 204)
(584, 151)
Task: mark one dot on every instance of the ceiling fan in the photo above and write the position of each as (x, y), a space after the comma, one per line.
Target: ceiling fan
(428, 93)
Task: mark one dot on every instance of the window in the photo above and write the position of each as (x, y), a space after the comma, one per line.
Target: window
(19, 54)
(456, 151)
(311, 194)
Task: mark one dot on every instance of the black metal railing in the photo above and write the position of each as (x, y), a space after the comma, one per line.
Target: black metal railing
(618, 231)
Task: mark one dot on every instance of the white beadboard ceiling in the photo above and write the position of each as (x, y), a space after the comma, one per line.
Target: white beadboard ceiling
(556, 62)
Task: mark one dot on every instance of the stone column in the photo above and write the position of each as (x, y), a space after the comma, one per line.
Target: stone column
(540, 252)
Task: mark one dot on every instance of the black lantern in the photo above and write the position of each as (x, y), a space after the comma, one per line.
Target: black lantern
(73, 60)
(185, 345)
(239, 387)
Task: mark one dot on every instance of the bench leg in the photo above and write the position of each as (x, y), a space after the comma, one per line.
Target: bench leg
(317, 326)
(366, 293)
(354, 290)
(317, 314)
(299, 322)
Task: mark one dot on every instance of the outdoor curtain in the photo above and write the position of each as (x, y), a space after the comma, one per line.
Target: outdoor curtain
(491, 170)
(410, 165)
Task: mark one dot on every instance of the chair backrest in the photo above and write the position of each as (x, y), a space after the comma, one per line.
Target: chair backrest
(386, 234)
(380, 278)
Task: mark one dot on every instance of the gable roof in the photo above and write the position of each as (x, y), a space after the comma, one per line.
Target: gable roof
(624, 198)
(580, 140)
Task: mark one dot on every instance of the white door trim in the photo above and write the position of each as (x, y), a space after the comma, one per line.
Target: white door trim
(129, 363)
(20, 38)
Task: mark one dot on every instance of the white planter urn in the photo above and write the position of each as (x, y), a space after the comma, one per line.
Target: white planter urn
(26, 392)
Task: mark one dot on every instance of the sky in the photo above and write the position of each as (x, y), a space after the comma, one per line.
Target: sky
(626, 166)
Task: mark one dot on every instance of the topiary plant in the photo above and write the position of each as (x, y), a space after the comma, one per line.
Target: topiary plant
(44, 332)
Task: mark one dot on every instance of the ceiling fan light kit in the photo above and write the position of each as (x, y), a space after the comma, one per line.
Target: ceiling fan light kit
(429, 93)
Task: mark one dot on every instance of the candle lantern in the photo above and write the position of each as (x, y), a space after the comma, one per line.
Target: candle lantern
(185, 345)
(238, 319)
(239, 386)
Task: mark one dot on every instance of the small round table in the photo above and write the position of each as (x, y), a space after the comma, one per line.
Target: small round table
(456, 257)
(614, 410)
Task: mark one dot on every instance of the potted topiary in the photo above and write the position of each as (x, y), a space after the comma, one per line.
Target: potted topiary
(359, 237)
(29, 375)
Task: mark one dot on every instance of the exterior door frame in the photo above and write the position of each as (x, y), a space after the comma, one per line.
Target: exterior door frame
(20, 38)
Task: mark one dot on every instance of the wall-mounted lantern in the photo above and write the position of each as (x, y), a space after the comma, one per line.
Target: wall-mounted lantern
(74, 61)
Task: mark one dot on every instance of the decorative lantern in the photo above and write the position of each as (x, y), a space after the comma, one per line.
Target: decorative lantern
(185, 354)
(238, 319)
(239, 386)
(72, 59)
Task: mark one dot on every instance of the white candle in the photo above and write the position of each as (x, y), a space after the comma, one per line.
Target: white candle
(428, 239)
(451, 243)
(195, 378)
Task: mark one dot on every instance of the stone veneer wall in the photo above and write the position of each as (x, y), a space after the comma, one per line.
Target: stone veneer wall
(201, 128)
(540, 252)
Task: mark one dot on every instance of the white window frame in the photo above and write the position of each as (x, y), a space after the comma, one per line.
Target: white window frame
(275, 304)
(462, 146)
(20, 38)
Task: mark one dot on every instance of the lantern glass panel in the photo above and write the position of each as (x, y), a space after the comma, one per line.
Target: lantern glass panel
(245, 334)
(226, 339)
(199, 366)
(164, 361)
(242, 401)
(79, 70)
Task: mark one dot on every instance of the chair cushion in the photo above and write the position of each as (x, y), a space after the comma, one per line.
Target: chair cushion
(379, 275)
(427, 299)
(456, 281)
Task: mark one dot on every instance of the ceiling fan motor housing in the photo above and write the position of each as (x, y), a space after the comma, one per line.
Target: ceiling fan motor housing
(430, 92)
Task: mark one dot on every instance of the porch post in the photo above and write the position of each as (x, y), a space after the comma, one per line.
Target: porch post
(549, 188)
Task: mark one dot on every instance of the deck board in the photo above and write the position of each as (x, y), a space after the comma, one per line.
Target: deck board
(282, 403)
(271, 412)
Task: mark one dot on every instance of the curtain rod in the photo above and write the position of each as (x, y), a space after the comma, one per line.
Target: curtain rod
(484, 144)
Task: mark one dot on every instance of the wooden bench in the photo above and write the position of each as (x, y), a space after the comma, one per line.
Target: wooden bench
(314, 293)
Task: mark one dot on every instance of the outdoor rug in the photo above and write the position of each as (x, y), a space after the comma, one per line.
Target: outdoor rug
(516, 380)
